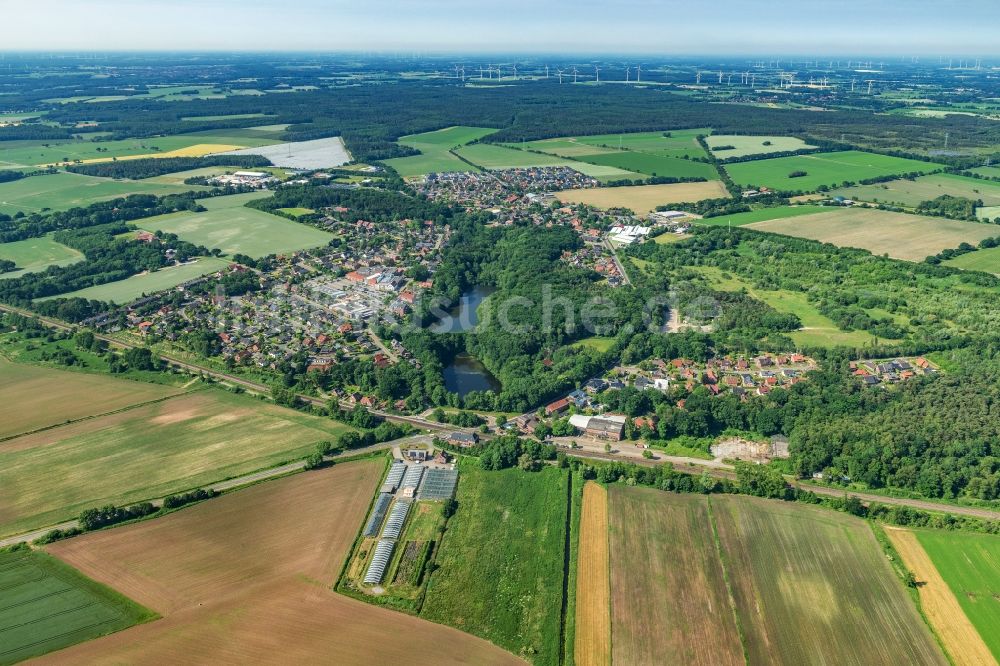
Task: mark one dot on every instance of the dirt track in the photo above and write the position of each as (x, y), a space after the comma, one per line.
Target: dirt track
(246, 578)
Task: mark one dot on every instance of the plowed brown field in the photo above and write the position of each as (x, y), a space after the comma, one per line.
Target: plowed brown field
(246, 578)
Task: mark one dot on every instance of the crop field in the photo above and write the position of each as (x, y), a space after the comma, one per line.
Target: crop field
(234, 228)
(33, 397)
(592, 646)
(129, 289)
(989, 213)
(679, 143)
(761, 215)
(901, 236)
(664, 558)
(986, 260)
(48, 606)
(970, 565)
(939, 603)
(491, 591)
(32, 153)
(247, 576)
(912, 192)
(653, 164)
(643, 199)
(61, 191)
(753, 145)
(146, 452)
(314, 154)
(491, 156)
(36, 254)
(434, 147)
(822, 169)
(786, 564)
(988, 171)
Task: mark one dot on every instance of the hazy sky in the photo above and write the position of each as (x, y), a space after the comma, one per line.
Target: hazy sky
(872, 27)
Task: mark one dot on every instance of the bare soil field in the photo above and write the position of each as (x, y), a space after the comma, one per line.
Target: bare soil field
(812, 586)
(246, 578)
(33, 397)
(961, 640)
(643, 199)
(669, 602)
(592, 646)
(901, 236)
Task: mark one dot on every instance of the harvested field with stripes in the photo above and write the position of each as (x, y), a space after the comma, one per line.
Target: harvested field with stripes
(593, 587)
(247, 576)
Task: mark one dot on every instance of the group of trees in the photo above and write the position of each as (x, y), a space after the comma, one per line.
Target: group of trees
(157, 166)
(946, 205)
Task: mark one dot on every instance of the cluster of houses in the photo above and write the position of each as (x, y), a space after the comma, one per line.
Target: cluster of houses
(891, 371)
(257, 179)
(741, 375)
(545, 179)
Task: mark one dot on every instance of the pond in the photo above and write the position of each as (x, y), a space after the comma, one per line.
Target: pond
(467, 374)
(463, 317)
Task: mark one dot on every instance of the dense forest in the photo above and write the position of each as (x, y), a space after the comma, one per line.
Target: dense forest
(157, 166)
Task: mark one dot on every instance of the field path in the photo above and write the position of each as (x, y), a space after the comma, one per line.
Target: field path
(593, 582)
(961, 640)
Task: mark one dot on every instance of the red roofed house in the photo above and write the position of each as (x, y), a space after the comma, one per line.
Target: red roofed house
(557, 407)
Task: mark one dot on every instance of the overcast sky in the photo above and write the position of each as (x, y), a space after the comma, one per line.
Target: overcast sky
(862, 27)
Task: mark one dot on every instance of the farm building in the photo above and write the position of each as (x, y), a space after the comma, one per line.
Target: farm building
(412, 477)
(397, 518)
(393, 478)
(380, 560)
(438, 484)
(378, 514)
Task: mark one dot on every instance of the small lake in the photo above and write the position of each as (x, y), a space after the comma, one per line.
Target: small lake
(467, 374)
(464, 316)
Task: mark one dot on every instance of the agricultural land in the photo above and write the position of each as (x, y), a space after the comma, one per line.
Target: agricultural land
(673, 143)
(912, 192)
(435, 150)
(243, 604)
(901, 236)
(761, 215)
(592, 646)
(61, 191)
(143, 452)
(821, 169)
(642, 199)
(129, 289)
(47, 606)
(987, 260)
(743, 146)
(36, 254)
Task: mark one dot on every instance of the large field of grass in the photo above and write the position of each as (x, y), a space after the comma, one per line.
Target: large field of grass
(233, 228)
(899, 235)
(912, 192)
(129, 289)
(970, 565)
(33, 397)
(817, 329)
(33, 153)
(36, 254)
(786, 565)
(753, 145)
(830, 169)
(986, 260)
(434, 147)
(988, 171)
(146, 452)
(642, 199)
(47, 605)
(509, 592)
(761, 215)
(679, 143)
(61, 191)
(653, 164)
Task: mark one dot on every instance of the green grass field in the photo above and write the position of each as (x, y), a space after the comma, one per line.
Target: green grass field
(509, 592)
(760, 215)
(146, 452)
(680, 143)
(987, 260)
(830, 169)
(62, 191)
(989, 172)
(29, 153)
(47, 605)
(899, 235)
(817, 329)
(786, 564)
(970, 565)
(234, 228)
(595, 342)
(653, 164)
(912, 192)
(434, 147)
(36, 254)
(753, 145)
(988, 213)
(132, 288)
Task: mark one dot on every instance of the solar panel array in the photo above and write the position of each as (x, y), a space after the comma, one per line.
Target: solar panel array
(394, 524)
(438, 484)
(378, 514)
(393, 478)
(412, 477)
(380, 560)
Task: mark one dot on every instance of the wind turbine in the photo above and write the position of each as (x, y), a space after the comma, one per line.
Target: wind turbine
(559, 73)
(515, 72)
(627, 72)
(574, 74)
(697, 78)
(638, 73)
(720, 77)
(597, 74)
(870, 82)
(480, 72)
(546, 71)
